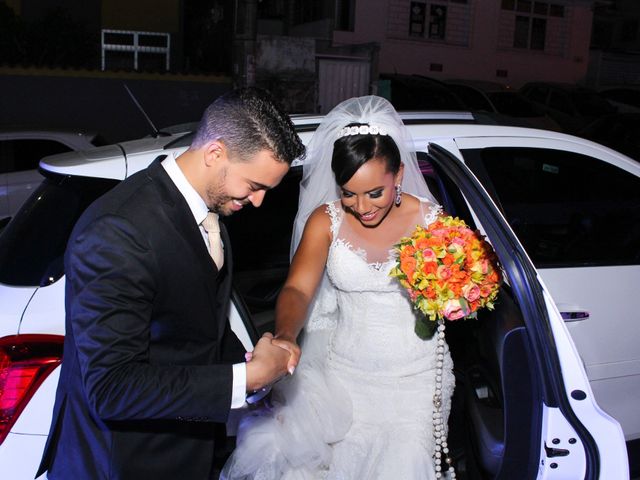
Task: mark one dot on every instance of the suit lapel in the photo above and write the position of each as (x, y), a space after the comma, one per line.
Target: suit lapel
(224, 282)
(181, 218)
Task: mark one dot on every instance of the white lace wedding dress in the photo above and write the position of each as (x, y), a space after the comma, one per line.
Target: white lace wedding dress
(359, 405)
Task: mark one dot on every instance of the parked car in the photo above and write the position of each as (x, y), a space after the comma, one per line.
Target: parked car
(572, 106)
(534, 377)
(625, 99)
(508, 105)
(414, 92)
(620, 131)
(20, 152)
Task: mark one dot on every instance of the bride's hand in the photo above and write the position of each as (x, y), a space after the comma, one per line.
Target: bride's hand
(290, 346)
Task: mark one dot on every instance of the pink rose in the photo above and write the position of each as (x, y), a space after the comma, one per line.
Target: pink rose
(471, 292)
(453, 310)
(444, 272)
(429, 255)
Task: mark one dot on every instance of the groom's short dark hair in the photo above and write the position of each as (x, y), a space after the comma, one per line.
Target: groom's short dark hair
(248, 120)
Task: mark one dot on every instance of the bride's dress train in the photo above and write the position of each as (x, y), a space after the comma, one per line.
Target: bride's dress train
(359, 405)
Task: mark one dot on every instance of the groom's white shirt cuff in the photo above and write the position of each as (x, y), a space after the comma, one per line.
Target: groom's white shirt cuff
(239, 393)
(199, 210)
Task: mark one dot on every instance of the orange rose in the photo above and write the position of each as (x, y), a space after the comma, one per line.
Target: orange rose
(430, 268)
(408, 266)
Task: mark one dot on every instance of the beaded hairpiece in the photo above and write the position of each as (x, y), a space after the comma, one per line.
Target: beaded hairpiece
(362, 130)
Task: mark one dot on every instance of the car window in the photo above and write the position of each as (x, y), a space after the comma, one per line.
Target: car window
(25, 154)
(590, 103)
(560, 101)
(567, 209)
(415, 93)
(29, 258)
(473, 99)
(623, 95)
(536, 93)
(513, 104)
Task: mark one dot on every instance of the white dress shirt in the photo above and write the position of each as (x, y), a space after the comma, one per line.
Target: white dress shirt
(199, 210)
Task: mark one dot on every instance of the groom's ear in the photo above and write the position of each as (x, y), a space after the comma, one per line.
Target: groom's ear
(215, 152)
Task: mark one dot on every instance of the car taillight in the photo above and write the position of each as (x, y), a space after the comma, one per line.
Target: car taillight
(25, 362)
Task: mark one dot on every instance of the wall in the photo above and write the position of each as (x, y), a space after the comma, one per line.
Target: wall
(286, 66)
(474, 48)
(147, 15)
(98, 102)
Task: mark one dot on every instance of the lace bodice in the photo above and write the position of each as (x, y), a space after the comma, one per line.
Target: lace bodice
(372, 318)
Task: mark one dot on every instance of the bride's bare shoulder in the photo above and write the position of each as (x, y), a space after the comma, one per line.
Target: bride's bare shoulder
(411, 204)
(320, 219)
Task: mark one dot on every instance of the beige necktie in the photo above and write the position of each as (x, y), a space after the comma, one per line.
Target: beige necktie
(212, 227)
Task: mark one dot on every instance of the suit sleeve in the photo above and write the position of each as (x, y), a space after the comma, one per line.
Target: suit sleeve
(111, 284)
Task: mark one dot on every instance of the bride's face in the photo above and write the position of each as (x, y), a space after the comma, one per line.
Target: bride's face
(370, 193)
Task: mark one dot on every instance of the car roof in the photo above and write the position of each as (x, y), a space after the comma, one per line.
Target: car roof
(74, 139)
(481, 85)
(424, 127)
(568, 87)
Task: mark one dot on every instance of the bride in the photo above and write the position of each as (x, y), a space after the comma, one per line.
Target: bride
(360, 404)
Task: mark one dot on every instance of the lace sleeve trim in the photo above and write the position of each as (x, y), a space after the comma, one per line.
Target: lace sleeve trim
(432, 214)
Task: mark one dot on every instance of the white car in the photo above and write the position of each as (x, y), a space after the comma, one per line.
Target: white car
(547, 384)
(21, 149)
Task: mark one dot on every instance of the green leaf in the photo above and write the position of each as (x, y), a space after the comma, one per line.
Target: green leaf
(425, 328)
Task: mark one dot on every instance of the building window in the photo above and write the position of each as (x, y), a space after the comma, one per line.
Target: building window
(530, 21)
(416, 19)
(529, 33)
(437, 22)
(629, 30)
(345, 15)
(306, 12)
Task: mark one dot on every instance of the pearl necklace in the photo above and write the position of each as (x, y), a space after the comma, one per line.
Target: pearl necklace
(439, 429)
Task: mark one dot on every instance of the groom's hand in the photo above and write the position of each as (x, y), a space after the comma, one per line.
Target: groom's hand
(268, 363)
(290, 346)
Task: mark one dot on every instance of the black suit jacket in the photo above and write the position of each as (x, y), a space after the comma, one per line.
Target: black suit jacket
(143, 379)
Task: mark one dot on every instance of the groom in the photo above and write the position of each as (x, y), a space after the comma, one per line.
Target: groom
(146, 370)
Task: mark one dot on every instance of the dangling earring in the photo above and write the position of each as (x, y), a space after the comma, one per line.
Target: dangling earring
(398, 195)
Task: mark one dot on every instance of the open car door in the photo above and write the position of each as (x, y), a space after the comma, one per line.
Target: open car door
(529, 411)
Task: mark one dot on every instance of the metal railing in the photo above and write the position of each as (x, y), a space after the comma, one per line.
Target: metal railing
(136, 43)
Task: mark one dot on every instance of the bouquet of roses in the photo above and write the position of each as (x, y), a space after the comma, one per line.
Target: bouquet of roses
(449, 271)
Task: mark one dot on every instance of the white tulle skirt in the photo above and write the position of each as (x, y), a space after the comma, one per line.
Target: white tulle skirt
(332, 421)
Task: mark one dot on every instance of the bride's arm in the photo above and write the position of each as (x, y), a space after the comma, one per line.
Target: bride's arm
(304, 277)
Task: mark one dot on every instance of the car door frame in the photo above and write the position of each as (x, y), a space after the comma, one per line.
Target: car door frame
(551, 274)
(538, 310)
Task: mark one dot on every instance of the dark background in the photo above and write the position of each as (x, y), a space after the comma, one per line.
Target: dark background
(102, 105)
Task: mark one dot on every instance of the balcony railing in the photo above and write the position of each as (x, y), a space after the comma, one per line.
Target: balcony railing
(135, 49)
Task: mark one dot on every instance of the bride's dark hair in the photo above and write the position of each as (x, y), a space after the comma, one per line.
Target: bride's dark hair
(350, 152)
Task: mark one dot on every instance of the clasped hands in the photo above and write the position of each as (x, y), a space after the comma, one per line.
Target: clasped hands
(271, 359)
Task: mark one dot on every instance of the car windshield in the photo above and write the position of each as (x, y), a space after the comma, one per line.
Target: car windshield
(27, 256)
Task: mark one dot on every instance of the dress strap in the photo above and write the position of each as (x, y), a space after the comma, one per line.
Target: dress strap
(335, 213)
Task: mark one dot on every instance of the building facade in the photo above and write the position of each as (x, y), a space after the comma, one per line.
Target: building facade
(510, 41)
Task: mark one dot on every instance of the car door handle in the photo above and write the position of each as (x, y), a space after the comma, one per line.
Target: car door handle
(574, 315)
